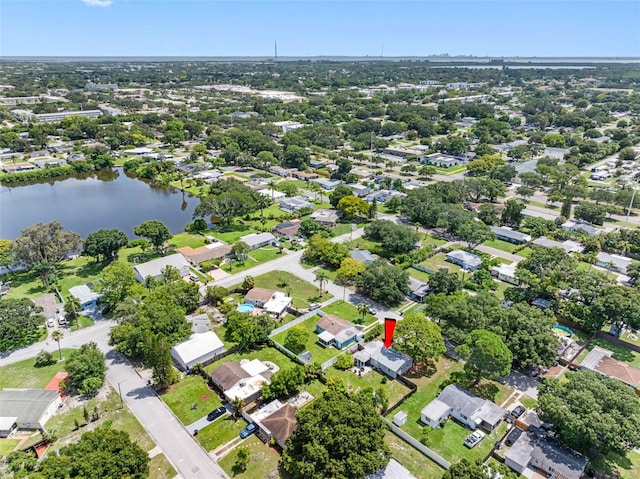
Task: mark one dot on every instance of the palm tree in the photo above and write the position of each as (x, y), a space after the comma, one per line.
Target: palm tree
(263, 201)
(57, 335)
(321, 278)
(624, 246)
(237, 405)
(71, 307)
(315, 188)
(363, 309)
(272, 186)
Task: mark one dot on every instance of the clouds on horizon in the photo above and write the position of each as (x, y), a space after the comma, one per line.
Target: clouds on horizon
(97, 3)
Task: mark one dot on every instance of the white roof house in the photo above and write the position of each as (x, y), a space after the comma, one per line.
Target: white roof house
(278, 304)
(85, 295)
(258, 240)
(613, 262)
(200, 348)
(464, 259)
(155, 267)
(244, 379)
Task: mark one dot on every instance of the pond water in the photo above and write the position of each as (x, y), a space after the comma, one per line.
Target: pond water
(91, 201)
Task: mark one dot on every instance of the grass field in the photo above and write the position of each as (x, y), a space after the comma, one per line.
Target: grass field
(619, 352)
(349, 312)
(373, 379)
(220, 432)
(256, 257)
(417, 463)
(187, 239)
(303, 293)
(263, 461)
(628, 466)
(419, 275)
(525, 252)
(438, 261)
(161, 468)
(432, 241)
(7, 446)
(319, 353)
(191, 390)
(25, 375)
(501, 245)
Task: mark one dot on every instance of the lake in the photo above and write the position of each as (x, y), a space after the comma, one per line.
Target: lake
(88, 202)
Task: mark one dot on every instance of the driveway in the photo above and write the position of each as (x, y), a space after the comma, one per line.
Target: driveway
(203, 422)
(521, 383)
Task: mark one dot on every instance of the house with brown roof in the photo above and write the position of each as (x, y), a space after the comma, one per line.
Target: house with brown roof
(259, 296)
(334, 331)
(204, 253)
(600, 360)
(243, 379)
(277, 422)
(288, 229)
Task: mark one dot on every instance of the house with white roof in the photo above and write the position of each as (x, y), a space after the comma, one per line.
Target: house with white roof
(155, 267)
(506, 273)
(86, 296)
(386, 360)
(505, 233)
(464, 259)
(258, 240)
(200, 348)
(613, 262)
(243, 379)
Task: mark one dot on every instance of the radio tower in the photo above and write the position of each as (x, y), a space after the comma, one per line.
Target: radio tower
(275, 51)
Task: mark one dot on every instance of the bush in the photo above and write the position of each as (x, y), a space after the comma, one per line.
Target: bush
(44, 358)
(373, 333)
(344, 362)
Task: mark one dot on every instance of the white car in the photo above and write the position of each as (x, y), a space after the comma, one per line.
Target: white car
(62, 321)
(51, 323)
(473, 439)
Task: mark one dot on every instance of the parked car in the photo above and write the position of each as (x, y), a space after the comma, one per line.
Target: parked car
(216, 413)
(62, 321)
(373, 311)
(518, 411)
(247, 431)
(51, 323)
(473, 439)
(314, 306)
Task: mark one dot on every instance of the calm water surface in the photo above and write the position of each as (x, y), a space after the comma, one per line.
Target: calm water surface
(89, 202)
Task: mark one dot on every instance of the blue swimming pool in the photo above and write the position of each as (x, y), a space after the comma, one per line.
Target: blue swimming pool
(245, 308)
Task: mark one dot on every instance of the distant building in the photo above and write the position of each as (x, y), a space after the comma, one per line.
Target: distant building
(90, 86)
(362, 255)
(417, 290)
(507, 234)
(601, 361)
(613, 262)
(207, 252)
(568, 245)
(294, 204)
(506, 273)
(326, 217)
(442, 160)
(27, 116)
(579, 226)
(326, 183)
(464, 259)
(288, 125)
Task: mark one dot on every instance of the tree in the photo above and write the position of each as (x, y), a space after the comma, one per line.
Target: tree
(488, 214)
(6, 252)
(353, 207)
(474, 233)
(174, 132)
(591, 413)
(105, 244)
(215, 294)
(242, 460)
(627, 154)
(284, 383)
(44, 358)
(155, 231)
(485, 355)
(225, 206)
(45, 244)
(237, 404)
(349, 270)
(57, 336)
(338, 193)
(512, 214)
(248, 283)
(118, 282)
(321, 278)
(240, 250)
(419, 338)
(71, 307)
(296, 339)
(363, 310)
(618, 306)
(159, 358)
(103, 452)
(524, 191)
(590, 212)
(296, 157)
(443, 281)
(171, 274)
(383, 282)
(339, 435)
(21, 323)
(323, 250)
(86, 368)
(464, 469)
(394, 238)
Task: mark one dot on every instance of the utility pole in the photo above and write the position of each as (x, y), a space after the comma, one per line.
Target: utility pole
(120, 392)
(633, 196)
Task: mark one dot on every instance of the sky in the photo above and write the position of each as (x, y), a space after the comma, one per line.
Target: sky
(312, 28)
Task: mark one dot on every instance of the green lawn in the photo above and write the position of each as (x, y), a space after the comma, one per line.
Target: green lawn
(256, 257)
(303, 293)
(7, 446)
(109, 409)
(349, 312)
(438, 261)
(432, 242)
(191, 390)
(70, 273)
(419, 275)
(263, 461)
(161, 468)
(525, 252)
(634, 339)
(220, 432)
(619, 352)
(528, 402)
(628, 466)
(187, 239)
(448, 441)
(417, 463)
(25, 375)
(373, 379)
(319, 353)
(501, 245)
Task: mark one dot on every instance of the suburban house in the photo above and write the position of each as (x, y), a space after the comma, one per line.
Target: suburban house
(155, 267)
(271, 301)
(359, 190)
(258, 240)
(28, 408)
(200, 348)
(568, 245)
(508, 234)
(275, 421)
(506, 273)
(579, 226)
(613, 262)
(388, 361)
(393, 470)
(417, 290)
(444, 161)
(288, 229)
(294, 204)
(243, 379)
(403, 152)
(326, 183)
(529, 213)
(337, 332)
(86, 296)
(326, 217)
(464, 407)
(8, 426)
(208, 252)
(535, 450)
(362, 255)
(273, 194)
(464, 259)
(600, 360)
(382, 196)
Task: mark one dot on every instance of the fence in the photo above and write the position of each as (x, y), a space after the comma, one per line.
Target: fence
(434, 456)
(289, 353)
(422, 268)
(330, 362)
(412, 389)
(293, 323)
(618, 341)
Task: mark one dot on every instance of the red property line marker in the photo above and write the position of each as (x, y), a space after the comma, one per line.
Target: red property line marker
(389, 328)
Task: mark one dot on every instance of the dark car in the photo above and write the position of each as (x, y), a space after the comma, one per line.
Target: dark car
(518, 411)
(216, 413)
(247, 431)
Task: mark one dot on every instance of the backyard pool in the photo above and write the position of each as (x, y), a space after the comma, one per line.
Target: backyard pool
(245, 308)
(565, 331)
